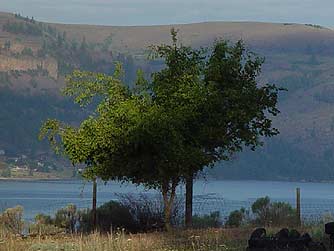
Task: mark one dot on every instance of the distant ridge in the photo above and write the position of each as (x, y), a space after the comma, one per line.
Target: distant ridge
(256, 34)
(299, 57)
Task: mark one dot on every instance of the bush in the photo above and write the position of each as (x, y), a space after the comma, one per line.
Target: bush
(260, 209)
(23, 28)
(67, 218)
(11, 220)
(206, 221)
(6, 173)
(282, 213)
(43, 219)
(44, 229)
(236, 218)
(111, 215)
(148, 211)
(46, 225)
(273, 214)
(114, 215)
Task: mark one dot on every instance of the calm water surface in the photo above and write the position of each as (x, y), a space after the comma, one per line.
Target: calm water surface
(48, 196)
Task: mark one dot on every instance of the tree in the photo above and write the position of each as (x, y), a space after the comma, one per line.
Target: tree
(201, 108)
(238, 109)
(76, 143)
(130, 138)
(261, 208)
(216, 99)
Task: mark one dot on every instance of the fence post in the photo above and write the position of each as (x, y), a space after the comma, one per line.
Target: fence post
(94, 203)
(299, 221)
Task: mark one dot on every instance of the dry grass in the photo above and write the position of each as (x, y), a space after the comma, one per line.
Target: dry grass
(201, 240)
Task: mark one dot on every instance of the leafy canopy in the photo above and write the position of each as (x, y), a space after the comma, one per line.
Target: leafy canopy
(205, 105)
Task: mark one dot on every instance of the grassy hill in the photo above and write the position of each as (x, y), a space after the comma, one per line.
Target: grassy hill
(262, 35)
(298, 57)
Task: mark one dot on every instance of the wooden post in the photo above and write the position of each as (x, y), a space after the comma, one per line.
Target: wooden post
(189, 201)
(299, 221)
(94, 203)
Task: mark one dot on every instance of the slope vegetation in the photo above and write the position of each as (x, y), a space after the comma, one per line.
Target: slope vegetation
(34, 60)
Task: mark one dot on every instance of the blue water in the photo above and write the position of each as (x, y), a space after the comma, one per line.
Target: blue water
(224, 196)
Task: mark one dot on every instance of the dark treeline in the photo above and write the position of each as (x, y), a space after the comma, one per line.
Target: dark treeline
(278, 160)
(21, 117)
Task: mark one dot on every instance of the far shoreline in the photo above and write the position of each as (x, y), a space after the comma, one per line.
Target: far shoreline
(37, 179)
(31, 179)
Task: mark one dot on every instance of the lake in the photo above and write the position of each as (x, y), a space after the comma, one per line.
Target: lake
(224, 196)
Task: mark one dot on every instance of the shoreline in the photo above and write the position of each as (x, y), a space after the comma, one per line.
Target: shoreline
(31, 179)
(36, 179)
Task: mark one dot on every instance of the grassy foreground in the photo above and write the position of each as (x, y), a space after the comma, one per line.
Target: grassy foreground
(179, 240)
(201, 240)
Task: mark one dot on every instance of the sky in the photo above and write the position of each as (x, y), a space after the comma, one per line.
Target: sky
(152, 12)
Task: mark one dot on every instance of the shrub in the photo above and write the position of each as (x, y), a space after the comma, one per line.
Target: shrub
(6, 173)
(148, 211)
(43, 219)
(274, 214)
(236, 218)
(282, 213)
(45, 224)
(115, 215)
(23, 28)
(11, 220)
(206, 221)
(111, 215)
(44, 229)
(260, 209)
(67, 218)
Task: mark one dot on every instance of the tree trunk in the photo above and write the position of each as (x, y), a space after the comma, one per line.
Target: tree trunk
(94, 203)
(189, 201)
(168, 194)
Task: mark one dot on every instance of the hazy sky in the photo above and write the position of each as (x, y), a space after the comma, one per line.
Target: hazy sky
(147, 12)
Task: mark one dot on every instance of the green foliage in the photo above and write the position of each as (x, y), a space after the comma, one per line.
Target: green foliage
(211, 220)
(273, 214)
(67, 218)
(197, 110)
(43, 219)
(236, 218)
(282, 213)
(110, 217)
(44, 229)
(6, 173)
(26, 19)
(131, 214)
(26, 28)
(148, 211)
(30, 110)
(261, 208)
(315, 26)
(12, 220)
(105, 46)
(44, 225)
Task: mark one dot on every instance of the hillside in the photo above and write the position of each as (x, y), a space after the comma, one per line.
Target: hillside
(267, 36)
(298, 57)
